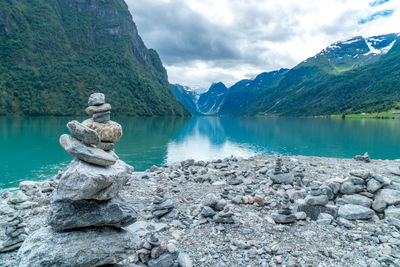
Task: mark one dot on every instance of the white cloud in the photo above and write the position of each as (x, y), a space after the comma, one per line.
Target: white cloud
(201, 42)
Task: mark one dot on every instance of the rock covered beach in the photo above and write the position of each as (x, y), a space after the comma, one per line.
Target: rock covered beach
(259, 211)
(196, 192)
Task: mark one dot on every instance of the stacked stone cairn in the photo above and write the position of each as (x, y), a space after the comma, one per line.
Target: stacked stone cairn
(216, 209)
(279, 176)
(317, 202)
(163, 207)
(15, 232)
(284, 215)
(364, 158)
(155, 253)
(86, 214)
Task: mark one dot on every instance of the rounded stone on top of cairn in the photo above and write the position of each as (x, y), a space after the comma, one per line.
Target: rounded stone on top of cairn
(96, 99)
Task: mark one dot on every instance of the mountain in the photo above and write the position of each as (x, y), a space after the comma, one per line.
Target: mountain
(210, 101)
(198, 102)
(356, 75)
(187, 97)
(355, 52)
(371, 88)
(54, 53)
(241, 92)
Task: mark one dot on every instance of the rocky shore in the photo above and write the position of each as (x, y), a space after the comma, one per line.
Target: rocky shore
(260, 211)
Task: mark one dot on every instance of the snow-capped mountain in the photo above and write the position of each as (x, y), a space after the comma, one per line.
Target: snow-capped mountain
(358, 51)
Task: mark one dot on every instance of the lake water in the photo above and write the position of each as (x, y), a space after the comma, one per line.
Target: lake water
(30, 150)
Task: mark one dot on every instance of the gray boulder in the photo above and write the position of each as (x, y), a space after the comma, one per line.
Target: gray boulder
(84, 247)
(392, 212)
(85, 181)
(65, 215)
(17, 197)
(320, 200)
(357, 200)
(283, 178)
(165, 260)
(355, 212)
(207, 212)
(347, 188)
(314, 211)
(98, 109)
(390, 196)
(96, 99)
(83, 133)
(373, 185)
(30, 188)
(210, 200)
(89, 154)
(184, 260)
(379, 205)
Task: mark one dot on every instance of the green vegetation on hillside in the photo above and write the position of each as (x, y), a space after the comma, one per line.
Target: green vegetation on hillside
(54, 53)
(313, 89)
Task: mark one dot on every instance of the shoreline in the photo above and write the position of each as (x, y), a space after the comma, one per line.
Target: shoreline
(250, 194)
(12, 189)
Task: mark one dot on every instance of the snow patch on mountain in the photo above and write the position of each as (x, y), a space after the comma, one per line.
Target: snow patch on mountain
(350, 41)
(372, 50)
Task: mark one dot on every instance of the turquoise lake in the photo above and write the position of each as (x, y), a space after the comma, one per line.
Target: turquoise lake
(30, 150)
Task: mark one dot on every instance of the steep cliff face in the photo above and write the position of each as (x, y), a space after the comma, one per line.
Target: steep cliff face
(210, 102)
(187, 97)
(54, 53)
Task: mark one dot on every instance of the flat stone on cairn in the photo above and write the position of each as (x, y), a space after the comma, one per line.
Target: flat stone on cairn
(83, 133)
(98, 109)
(86, 213)
(67, 214)
(86, 153)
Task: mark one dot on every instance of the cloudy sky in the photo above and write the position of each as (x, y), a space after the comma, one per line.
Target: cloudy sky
(205, 41)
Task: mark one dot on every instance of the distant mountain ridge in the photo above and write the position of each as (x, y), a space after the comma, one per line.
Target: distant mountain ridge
(207, 103)
(355, 75)
(54, 53)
